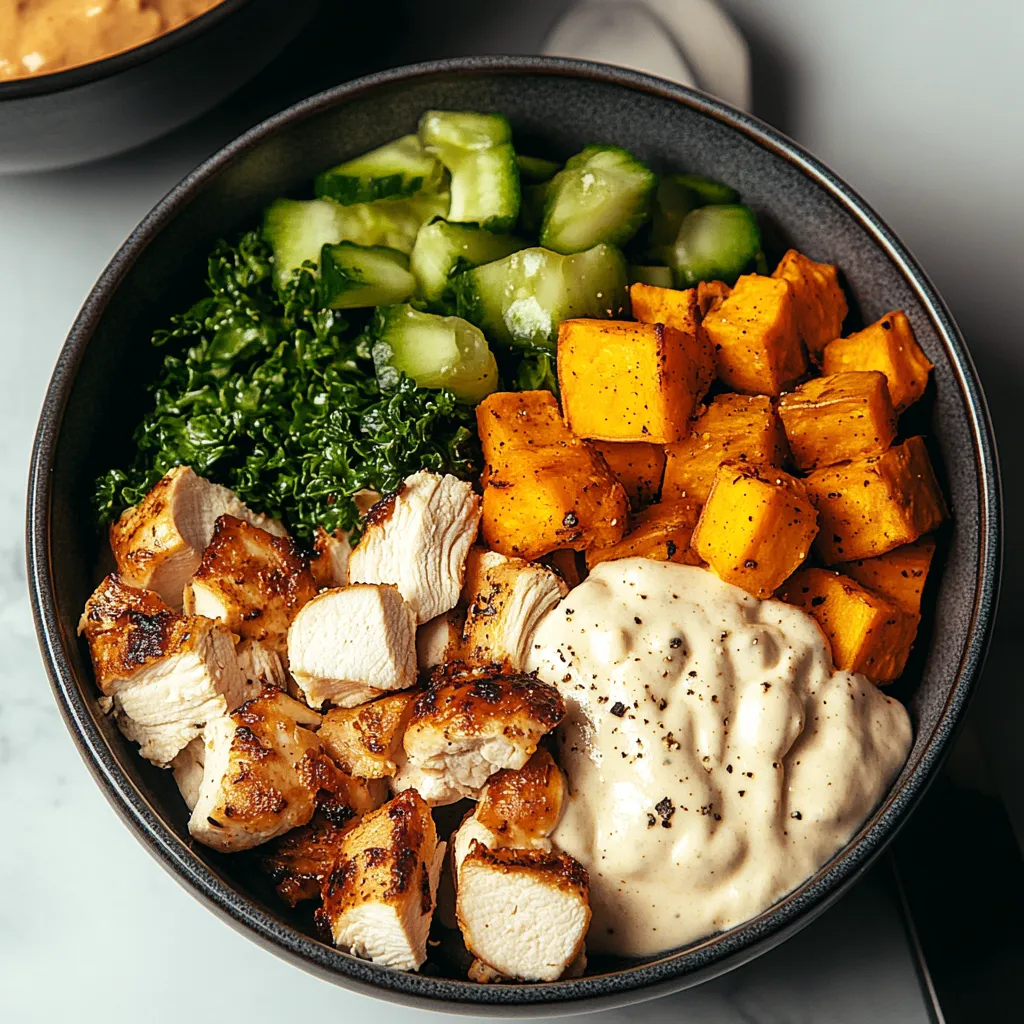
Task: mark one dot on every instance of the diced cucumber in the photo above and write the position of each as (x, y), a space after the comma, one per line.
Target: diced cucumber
(398, 169)
(443, 250)
(715, 243)
(661, 277)
(298, 229)
(520, 300)
(477, 150)
(603, 194)
(708, 191)
(355, 275)
(536, 168)
(435, 351)
(463, 129)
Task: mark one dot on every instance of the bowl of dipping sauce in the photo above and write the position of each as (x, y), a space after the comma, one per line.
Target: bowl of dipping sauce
(81, 80)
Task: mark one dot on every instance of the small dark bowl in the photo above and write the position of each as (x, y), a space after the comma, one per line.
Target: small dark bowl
(555, 107)
(111, 105)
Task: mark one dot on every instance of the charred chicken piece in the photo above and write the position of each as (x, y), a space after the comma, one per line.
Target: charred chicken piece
(379, 897)
(364, 740)
(168, 674)
(505, 598)
(264, 773)
(253, 582)
(158, 544)
(467, 726)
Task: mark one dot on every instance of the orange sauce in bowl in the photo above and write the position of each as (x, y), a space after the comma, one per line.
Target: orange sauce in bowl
(38, 37)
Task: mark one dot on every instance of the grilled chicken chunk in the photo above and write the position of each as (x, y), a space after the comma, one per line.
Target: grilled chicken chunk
(467, 726)
(350, 645)
(523, 807)
(524, 913)
(264, 769)
(168, 674)
(379, 898)
(364, 740)
(505, 599)
(158, 543)
(418, 538)
(329, 564)
(253, 582)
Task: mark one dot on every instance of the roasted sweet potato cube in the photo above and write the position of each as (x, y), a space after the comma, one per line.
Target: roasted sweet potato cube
(870, 506)
(624, 381)
(564, 562)
(887, 345)
(662, 532)
(899, 575)
(867, 632)
(837, 418)
(819, 305)
(544, 488)
(637, 465)
(733, 428)
(756, 527)
(757, 348)
(681, 310)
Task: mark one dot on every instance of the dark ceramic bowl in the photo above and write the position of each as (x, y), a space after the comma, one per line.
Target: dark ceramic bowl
(555, 107)
(111, 105)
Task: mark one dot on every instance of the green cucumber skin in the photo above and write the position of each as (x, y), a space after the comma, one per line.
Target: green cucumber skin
(715, 243)
(354, 276)
(495, 208)
(396, 170)
(536, 169)
(297, 229)
(569, 196)
(463, 129)
(502, 298)
(444, 249)
(462, 361)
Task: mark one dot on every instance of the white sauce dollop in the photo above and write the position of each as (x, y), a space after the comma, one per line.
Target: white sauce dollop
(715, 759)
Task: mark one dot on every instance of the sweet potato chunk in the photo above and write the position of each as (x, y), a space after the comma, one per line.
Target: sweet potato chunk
(662, 532)
(681, 310)
(756, 527)
(837, 418)
(624, 381)
(544, 489)
(887, 345)
(733, 428)
(757, 349)
(872, 505)
(899, 575)
(867, 632)
(563, 562)
(819, 305)
(638, 466)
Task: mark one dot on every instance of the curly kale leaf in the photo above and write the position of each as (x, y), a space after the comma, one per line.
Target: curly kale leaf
(274, 395)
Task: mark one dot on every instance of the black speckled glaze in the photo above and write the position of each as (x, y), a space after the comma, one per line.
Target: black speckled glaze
(555, 107)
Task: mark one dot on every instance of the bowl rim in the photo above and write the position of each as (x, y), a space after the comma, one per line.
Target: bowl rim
(124, 60)
(631, 984)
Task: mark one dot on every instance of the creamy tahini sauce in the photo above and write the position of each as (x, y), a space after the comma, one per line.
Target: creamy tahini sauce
(714, 759)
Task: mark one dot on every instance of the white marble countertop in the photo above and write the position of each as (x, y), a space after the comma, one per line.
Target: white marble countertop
(90, 927)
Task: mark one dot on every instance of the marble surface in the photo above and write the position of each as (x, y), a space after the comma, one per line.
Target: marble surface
(90, 927)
